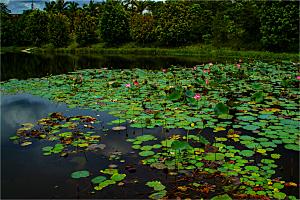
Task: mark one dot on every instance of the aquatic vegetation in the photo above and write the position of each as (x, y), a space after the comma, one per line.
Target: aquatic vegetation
(72, 134)
(249, 109)
(80, 174)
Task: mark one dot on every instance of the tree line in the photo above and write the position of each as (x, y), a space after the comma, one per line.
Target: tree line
(243, 24)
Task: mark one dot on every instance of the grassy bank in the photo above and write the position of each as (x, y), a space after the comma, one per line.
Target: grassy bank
(207, 51)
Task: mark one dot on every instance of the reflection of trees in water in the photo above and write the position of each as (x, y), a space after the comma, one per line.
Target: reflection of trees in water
(23, 66)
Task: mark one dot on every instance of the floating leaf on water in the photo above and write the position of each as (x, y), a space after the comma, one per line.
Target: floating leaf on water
(279, 195)
(96, 146)
(98, 179)
(158, 165)
(278, 185)
(180, 145)
(104, 184)
(109, 171)
(251, 127)
(275, 156)
(217, 129)
(146, 148)
(247, 153)
(156, 185)
(15, 137)
(136, 146)
(118, 177)
(158, 195)
(119, 128)
(292, 147)
(252, 168)
(214, 156)
(146, 153)
(118, 121)
(258, 97)
(24, 144)
(145, 138)
(80, 174)
(221, 108)
(222, 197)
(246, 118)
(47, 148)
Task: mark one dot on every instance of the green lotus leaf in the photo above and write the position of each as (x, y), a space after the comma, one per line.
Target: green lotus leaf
(145, 138)
(278, 185)
(156, 185)
(247, 153)
(47, 148)
(292, 147)
(98, 179)
(279, 195)
(222, 197)
(80, 174)
(221, 108)
(109, 171)
(146, 153)
(118, 177)
(180, 145)
(158, 195)
(104, 184)
(251, 127)
(214, 156)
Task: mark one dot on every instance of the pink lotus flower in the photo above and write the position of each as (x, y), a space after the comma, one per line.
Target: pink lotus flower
(206, 81)
(206, 70)
(128, 85)
(136, 83)
(197, 96)
(238, 66)
(298, 77)
(210, 64)
(164, 70)
(194, 67)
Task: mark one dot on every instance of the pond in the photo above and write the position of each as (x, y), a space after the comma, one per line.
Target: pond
(141, 127)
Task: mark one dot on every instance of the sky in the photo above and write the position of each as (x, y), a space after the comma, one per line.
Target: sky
(17, 6)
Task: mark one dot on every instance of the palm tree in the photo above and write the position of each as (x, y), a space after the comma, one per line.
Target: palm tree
(50, 6)
(61, 5)
(72, 7)
(72, 12)
(92, 8)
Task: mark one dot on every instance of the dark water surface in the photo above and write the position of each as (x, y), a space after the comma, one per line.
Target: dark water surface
(25, 65)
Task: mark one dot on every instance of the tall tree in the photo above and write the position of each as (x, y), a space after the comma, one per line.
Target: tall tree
(114, 25)
(7, 29)
(280, 25)
(72, 12)
(92, 8)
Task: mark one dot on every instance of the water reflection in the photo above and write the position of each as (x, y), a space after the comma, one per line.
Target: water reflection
(23, 65)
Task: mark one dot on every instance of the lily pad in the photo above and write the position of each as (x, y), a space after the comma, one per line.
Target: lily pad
(98, 179)
(80, 174)
(156, 185)
(146, 153)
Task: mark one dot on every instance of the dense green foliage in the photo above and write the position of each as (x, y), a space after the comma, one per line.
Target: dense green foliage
(58, 30)
(242, 25)
(114, 25)
(85, 27)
